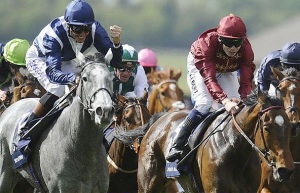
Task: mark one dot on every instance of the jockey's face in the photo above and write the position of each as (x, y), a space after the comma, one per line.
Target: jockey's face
(79, 33)
(230, 45)
(231, 51)
(123, 75)
(125, 71)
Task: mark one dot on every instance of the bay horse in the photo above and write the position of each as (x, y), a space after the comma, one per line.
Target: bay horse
(260, 128)
(69, 156)
(289, 90)
(165, 95)
(123, 154)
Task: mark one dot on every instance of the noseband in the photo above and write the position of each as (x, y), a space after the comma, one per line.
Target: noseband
(90, 99)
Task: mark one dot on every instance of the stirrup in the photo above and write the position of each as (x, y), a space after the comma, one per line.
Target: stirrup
(174, 154)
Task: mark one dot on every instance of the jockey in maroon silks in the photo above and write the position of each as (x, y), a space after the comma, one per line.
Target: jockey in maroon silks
(212, 65)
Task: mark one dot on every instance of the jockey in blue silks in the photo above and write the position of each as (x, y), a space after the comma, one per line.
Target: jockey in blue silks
(51, 58)
(287, 57)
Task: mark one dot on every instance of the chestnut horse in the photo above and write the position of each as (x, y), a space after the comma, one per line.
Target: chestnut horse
(123, 153)
(261, 128)
(165, 95)
(24, 85)
(289, 90)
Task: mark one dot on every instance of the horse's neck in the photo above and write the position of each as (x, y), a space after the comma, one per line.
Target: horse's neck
(247, 120)
(82, 129)
(120, 153)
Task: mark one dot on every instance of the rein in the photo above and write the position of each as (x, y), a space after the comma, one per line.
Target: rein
(133, 145)
(165, 109)
(264, 155)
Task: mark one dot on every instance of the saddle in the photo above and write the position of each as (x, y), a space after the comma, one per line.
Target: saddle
(173, 169)
(22, 145)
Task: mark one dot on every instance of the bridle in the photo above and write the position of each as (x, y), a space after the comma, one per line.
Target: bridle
(291, 107)
(136, 143)
(158, 97)
(266, 155)
(138, 108)
(90, 99)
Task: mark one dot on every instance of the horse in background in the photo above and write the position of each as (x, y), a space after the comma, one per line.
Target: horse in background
(288, 89)
(165, 95)
(123, 153)
(222, 155)
(69, 156)
(23, 85)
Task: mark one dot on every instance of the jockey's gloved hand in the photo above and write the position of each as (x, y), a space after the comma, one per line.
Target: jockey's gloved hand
(2, 95)
(115, 34)
(76, 81)
(230, 106)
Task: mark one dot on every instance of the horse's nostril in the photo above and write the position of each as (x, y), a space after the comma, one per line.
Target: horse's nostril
(99, 111)
(285, 174)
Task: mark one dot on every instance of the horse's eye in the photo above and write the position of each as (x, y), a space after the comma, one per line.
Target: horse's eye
(84, 78)
(267, 129)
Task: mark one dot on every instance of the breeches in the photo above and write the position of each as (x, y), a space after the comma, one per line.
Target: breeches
(199, 93)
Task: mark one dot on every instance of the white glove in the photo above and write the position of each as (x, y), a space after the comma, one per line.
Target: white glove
(2, 95)
(115, 34)
(230, 106)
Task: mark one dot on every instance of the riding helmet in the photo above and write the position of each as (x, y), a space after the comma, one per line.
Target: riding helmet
(147, 58)
(15, 51)
(290, 53)
(129, 54)
(232, 26)
(79, 12)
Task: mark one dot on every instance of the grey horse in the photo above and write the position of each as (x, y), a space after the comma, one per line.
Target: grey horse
(69, 155)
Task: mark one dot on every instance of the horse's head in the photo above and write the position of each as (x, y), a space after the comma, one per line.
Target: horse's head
(95, 88)
(289, 90)
(272, 135)
(166, 94)
(132, 112)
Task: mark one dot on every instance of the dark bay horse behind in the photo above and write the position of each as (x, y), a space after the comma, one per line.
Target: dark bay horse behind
(123, 154)
(69, 156)
(222, 157)
(289, 90)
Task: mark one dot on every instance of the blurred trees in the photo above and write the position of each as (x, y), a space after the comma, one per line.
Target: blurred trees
(156, 23)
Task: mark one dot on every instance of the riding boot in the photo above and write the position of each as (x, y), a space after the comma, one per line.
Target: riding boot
(39, 111)
(188, 125)
(46, 103)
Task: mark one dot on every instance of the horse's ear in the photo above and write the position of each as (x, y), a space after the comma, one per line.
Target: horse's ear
(81, 58)
(121, 99)
(261, 96)
(145, 96)
(178, 75)
(277, 74)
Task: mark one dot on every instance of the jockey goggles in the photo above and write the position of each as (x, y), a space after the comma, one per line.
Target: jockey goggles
(128, 68)
(78, 29)
(229, 42)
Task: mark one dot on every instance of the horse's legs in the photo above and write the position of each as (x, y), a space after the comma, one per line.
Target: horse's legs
(174, 187)
(151, 176)
(7, 175)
